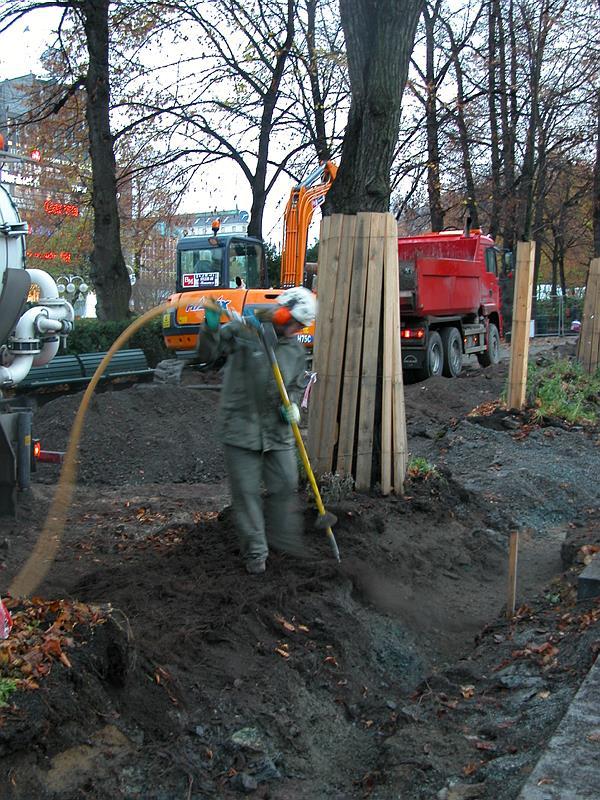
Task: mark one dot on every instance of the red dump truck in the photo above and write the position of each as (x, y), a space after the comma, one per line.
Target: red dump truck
(449, 301)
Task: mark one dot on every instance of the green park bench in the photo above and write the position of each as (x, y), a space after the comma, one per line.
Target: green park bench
(76, 369)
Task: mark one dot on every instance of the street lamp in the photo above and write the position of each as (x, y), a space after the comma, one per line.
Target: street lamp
(73, 285)
(75, 288)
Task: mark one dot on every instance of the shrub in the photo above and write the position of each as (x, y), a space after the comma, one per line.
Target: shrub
(96, 336)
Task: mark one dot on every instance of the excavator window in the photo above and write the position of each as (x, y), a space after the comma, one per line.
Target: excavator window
(244, 265)
(202, 267)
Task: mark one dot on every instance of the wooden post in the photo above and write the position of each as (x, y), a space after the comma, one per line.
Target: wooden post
(370, 353)
(388, 331)
(513, 555)
(399, 436)
(319, 420)
(354, 339)
(588, 348)
(517, 378)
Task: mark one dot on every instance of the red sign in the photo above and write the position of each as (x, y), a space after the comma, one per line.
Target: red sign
(189, 281)
(51, 256)
(60, 209)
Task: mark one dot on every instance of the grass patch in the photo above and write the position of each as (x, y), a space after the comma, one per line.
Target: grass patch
(421, 468)
(7, 687)
(563, 389)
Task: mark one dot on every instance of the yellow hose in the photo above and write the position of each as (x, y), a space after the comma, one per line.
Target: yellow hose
(39, 562)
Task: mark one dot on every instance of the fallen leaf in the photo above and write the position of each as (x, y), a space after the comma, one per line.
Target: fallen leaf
(485, 745)
(64, 660)
(467, 691)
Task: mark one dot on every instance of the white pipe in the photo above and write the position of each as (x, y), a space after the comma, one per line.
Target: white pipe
(17, 371)
(37, 322)
(40, 322)
(47, 353)
(47, 284)
(26, 325)
(48, 317)
(45, 325)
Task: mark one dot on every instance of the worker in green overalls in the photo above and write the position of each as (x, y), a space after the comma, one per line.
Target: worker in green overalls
(254, 426)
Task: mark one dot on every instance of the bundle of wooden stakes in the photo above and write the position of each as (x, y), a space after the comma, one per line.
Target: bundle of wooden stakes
(357, 422)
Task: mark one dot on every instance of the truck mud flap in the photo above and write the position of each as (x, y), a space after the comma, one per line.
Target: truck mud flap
(413, 359)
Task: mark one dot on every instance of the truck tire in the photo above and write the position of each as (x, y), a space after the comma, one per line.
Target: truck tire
(434, 358)
(453, 352)
(492, 354)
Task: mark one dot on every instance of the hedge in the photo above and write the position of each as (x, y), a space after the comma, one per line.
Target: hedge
(94, 336)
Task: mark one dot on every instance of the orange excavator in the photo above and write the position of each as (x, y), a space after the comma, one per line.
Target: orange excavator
(231, 270)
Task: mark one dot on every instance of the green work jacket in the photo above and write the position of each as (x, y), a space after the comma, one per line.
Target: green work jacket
(250, 407)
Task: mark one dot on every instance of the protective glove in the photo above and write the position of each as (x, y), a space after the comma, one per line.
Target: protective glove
(212, 317)
(291, 413)
(251, 319)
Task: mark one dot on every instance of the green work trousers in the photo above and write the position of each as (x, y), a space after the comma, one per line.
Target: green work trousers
(276, 521)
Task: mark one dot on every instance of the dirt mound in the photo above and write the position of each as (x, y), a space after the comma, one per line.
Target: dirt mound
(151, 433)
(316, 680)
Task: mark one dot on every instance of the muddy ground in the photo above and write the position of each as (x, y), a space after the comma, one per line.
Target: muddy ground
(392, 675)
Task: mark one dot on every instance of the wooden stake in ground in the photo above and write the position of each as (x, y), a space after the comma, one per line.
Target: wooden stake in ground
(513, 555)
(588, 348)
(322, 431)
(394, 447)
(370, 355)
(521, 324)
(354, 340)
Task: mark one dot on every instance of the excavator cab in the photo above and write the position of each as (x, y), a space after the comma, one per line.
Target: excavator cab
(229, 269)
(223, 262)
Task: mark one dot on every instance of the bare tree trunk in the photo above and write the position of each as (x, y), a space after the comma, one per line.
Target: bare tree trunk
(507, 87)
(554, 260)
(434, 190)
(379, 40)
(538, 222)
(463, 135)
(536, 47)
(259, 182)
(108, 271)
(492, 100)
(596, 189)
(321, 144)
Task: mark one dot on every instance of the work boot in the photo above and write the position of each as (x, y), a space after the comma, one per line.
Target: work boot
(255, 566)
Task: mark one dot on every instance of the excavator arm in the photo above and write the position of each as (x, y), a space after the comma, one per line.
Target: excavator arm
(304, 198)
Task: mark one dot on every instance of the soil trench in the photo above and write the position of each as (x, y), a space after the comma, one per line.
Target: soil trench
(390, 675)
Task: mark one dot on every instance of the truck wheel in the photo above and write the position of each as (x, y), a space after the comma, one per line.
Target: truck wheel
(492, 354)
(434, 359)
(452, 343)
